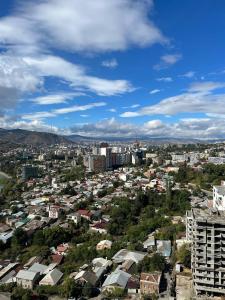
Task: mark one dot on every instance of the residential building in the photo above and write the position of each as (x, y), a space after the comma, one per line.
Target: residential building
(75, 217)
(53, 211)
(29, 171)
(118, 279)
(104, 244)
(52, 278)
(96, 163)
(219, 197)
(208, 251)
(150, 283)
(26, 278)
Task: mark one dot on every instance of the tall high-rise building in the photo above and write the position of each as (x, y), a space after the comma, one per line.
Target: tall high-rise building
(206, 231)
(107, 152)
(96, 163)
(29, 171)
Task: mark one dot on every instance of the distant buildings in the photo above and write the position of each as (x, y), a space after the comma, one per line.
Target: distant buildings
(96, 163)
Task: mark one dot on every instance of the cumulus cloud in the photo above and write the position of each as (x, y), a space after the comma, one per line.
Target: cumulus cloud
(22, 75)
(203, 128)
(200, 98)
(81, 25)
(36, 29)
(167, 60)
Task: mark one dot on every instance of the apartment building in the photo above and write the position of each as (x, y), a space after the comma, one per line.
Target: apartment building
(206, 229)
(219, 196)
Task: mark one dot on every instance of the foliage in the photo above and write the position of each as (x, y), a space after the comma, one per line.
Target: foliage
(184, 256)
(115, 293)
(75, 173)
(156, 262)
(70, 289)
(21, 294)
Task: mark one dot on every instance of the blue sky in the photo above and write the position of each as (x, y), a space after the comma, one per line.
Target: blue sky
(113, 68)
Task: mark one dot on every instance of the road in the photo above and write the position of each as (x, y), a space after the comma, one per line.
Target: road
(4, 175)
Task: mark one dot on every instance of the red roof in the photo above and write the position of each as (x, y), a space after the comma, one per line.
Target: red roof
(56, 258)
(84, 212)
(100, 225)
(151, 277)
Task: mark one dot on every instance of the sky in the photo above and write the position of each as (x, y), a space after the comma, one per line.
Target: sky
(116, 68)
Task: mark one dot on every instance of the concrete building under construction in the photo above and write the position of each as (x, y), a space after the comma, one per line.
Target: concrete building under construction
(206, 230)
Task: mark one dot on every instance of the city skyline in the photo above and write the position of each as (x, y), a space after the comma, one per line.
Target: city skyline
(113, 68)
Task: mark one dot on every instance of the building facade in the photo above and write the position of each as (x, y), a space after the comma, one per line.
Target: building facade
(207, 234)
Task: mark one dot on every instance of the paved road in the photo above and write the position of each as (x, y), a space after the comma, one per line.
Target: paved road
(4, 175)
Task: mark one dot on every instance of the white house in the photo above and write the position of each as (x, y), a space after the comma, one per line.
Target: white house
(52, 278)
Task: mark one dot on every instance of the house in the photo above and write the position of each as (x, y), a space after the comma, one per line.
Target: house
(124, 254)
(53, 211)
(128, 266)
(118, 278)
(99, 262)
(62, 249)
(51, 278)
(164, 247)
(150, 283)
(133, 285)
(5, 237)
(86, 277)
(57, 259)
(26, 278)
(86, 214)
(75, 217)
(104, 244)
(149, 243)
(100, 227)
(31, 261)
(38, 268)
(7, 269)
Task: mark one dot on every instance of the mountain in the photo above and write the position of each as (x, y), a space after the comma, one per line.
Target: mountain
(25, 137)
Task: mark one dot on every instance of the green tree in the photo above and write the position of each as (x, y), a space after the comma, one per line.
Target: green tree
(184, 256)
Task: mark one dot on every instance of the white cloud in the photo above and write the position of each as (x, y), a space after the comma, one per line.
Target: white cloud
(198, 99)
(55, 98)
(201, 128)
(21, 75)
(155, 91)
(92, 26)
(36, 29)
(61, 111)
(132, 106)
(135, 105)
(112, 110)
(112, 63)
(189, 74)
(84, 116)
(167, 61)
(165, 79)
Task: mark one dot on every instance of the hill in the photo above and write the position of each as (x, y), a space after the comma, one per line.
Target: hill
(26, 137)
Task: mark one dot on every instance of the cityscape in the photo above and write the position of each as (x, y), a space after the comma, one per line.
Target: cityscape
(112, 150)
